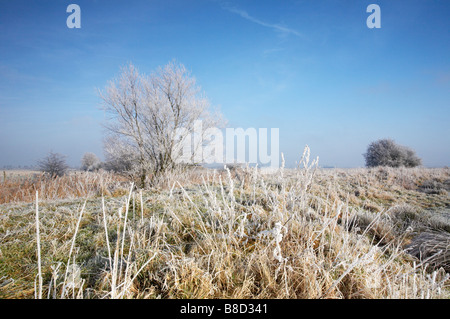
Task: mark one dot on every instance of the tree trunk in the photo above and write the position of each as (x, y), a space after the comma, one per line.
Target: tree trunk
(143, 176)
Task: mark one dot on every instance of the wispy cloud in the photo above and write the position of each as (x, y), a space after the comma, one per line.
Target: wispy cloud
(277, 27)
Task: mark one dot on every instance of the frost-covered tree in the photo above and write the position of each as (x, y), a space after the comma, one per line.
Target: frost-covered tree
(53, 164)
(90, 162)
(386, 152)
(119, 157)
(147, 114)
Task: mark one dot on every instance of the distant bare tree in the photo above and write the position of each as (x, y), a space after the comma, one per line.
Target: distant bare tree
(53, 164)
(146, 115)
(386, 152)
(90, 162)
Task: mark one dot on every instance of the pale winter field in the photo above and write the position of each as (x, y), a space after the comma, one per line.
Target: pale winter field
(239, 233)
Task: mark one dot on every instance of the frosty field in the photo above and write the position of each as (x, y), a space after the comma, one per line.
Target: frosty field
(239, 233)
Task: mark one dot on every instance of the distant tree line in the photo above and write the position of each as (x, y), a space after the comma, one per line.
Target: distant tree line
(384, 152)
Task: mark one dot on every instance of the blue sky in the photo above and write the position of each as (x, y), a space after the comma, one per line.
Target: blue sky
(313, 69)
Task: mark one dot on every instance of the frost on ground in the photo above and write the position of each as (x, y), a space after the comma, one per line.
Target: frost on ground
(290, 233)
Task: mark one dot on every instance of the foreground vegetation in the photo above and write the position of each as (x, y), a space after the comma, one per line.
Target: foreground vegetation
(240, 233)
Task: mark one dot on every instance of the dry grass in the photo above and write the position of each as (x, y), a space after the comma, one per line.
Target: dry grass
(234, 234)
(21, 186)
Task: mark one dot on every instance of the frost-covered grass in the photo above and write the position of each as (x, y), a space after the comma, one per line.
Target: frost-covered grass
(21, 186)
(303, 233)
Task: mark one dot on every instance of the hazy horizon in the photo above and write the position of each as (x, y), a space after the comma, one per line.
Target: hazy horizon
(313, 69)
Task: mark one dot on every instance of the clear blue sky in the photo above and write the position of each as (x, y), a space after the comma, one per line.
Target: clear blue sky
(311, 68)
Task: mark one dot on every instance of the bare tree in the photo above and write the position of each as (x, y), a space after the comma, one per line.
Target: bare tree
(53, 164)
(386, 152)
(90, 162)
(151, 115)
